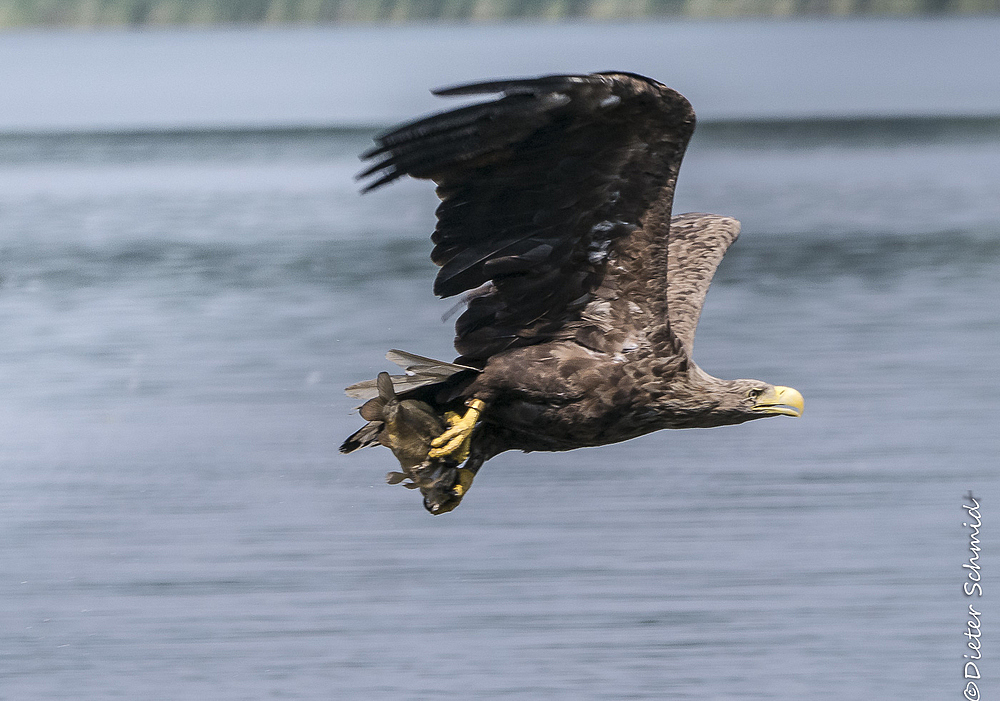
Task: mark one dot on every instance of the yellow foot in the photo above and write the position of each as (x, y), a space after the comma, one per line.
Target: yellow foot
(463, 482)
(455, 441)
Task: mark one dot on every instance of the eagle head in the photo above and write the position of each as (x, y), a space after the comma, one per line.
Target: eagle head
(759, 399)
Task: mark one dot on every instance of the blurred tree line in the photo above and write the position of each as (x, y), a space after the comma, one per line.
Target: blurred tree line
(206, 12)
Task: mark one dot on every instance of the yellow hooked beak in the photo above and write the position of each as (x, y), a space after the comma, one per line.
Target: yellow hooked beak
(780, 400)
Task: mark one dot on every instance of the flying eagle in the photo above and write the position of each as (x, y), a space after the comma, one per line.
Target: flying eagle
(583, 292)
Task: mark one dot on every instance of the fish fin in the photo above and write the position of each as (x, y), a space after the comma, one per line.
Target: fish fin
(386, 392)
(367, 435)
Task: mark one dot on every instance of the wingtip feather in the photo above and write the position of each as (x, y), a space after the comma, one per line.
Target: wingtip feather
(507, 85)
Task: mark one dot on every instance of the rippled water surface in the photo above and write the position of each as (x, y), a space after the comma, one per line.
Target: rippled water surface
(181, 310)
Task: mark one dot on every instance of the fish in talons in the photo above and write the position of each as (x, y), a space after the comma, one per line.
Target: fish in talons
(429, 447)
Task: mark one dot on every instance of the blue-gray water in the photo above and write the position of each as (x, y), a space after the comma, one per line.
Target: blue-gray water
(181, 310)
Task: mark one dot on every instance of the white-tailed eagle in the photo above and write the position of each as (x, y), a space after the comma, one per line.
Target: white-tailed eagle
(583, 290)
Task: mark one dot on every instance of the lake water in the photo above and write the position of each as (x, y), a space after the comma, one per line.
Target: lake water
(181, 310)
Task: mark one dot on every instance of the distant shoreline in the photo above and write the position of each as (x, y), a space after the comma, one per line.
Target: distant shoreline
(888, 128)
(152, 13)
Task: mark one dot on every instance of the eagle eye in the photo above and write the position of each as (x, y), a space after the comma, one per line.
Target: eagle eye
(754, 393)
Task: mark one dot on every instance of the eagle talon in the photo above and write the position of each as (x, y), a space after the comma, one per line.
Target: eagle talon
(456, 440)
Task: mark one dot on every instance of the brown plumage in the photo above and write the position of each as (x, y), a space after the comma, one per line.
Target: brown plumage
(556, 210)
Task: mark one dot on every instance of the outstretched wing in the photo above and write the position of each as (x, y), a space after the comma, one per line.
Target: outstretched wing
(697, 244)
(556, 196)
